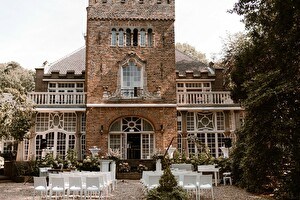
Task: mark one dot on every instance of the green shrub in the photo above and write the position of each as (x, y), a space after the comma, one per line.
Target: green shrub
(168, 188)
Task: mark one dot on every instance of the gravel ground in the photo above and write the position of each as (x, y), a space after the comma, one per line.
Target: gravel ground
(126, 190)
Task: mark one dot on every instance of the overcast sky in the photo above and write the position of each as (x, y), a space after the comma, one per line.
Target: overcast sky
(33, 31)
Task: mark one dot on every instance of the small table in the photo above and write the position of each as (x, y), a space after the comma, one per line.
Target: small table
(210, 168)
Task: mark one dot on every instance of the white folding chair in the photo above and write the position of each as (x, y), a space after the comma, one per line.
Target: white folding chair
(205, 183)
(75, 186)
(57, 186)
(93, 187)
(104, 184)
(40, 185)
(189, 183)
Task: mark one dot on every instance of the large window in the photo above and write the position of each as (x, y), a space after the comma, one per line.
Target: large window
(208, 128)
(132, 85)
(59, 131)
(65, 87)
(194, 87)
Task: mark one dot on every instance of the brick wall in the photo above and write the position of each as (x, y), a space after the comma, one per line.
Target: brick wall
(106, 116)
(103, 64)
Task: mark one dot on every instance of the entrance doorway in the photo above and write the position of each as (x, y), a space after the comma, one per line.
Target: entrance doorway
(133, 146)
(133, 137)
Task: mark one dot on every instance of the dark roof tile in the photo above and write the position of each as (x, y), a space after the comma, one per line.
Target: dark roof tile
(76, 62)
(72, 62)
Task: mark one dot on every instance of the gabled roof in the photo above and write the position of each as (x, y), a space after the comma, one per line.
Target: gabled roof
(186, 63)
(76, 62)
(72, 62)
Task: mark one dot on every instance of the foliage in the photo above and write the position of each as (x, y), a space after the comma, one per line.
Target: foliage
(16, 112)
(203, 158)
(13, 76)
(168, 188)
(26, 168)
(16, 118)
(191, 51)
(70, 162)
(265, 79)
(176, 194)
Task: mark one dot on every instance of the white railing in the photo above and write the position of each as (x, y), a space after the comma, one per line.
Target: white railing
(56, 98)
(192, 98)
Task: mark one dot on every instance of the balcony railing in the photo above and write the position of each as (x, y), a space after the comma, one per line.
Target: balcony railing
(53, 98)
(132, 93)
(206, 98)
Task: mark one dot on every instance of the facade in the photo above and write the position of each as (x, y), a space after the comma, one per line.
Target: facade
(129, 89)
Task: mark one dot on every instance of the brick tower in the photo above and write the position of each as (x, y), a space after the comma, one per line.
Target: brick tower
(130, 76)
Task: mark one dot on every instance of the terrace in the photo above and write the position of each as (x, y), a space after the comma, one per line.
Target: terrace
(204, 98)
(79, 98)
(57, 98)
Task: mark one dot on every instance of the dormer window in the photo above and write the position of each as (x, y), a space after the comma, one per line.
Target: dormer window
(104, 1)
(122, 1)
(158, 1)
(141, 1)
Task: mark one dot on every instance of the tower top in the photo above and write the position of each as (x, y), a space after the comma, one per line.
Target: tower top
(132, 9)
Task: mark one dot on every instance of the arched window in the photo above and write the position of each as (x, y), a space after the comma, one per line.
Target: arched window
(121, 37)
(131, 81)
(128, 37)
(143, 38)
(133, 137)
(135, 37)
(113, 37)
(150, 38)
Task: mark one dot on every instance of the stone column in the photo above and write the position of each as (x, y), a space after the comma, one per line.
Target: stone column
(78, 135)
(227, 125)
(184, 131)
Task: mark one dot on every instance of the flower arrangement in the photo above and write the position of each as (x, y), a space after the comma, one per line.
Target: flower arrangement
(141, 168)
(124, 167)
(89, 164)
(113, 154)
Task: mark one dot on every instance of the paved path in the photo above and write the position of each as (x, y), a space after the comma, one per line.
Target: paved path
(126, 190)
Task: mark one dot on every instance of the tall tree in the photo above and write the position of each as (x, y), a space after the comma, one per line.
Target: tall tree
(265, 79)
(16, 111)
(191, 51)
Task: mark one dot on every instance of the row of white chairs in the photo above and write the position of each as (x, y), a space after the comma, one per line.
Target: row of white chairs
(192, 182)
(82, 184)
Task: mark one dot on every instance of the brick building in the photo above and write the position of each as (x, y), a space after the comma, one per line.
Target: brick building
(129, 89)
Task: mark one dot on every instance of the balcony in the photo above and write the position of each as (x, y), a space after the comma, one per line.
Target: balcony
(132, 93)
(53, 98)
(203, 98)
